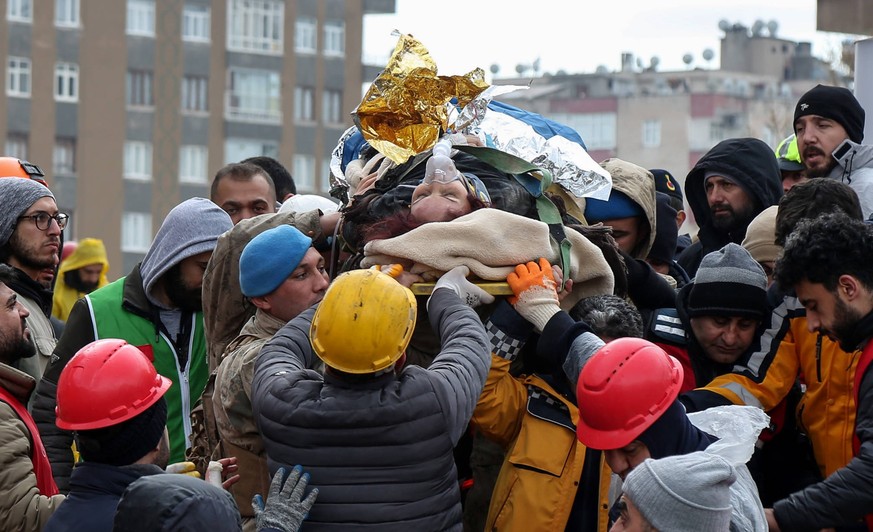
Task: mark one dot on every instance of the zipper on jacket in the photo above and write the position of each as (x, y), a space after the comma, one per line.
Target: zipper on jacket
(184, 384)
(818, 357)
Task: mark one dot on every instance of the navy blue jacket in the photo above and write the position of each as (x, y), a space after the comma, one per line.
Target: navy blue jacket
(95, 490)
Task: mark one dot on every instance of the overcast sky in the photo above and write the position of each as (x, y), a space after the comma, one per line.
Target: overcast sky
(567, 35)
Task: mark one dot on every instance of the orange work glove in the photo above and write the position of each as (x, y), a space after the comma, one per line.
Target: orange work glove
(535, 292)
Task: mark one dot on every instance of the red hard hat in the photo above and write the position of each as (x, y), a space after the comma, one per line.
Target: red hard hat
(622, 390)
(13, 167)
(106, 382)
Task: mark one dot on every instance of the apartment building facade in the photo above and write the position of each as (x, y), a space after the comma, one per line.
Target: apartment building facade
(131, 106)
(670, 119)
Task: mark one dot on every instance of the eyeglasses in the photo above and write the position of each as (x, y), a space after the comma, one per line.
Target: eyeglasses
(44, 219)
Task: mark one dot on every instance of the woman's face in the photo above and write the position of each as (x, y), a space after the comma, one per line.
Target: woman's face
(440, 202)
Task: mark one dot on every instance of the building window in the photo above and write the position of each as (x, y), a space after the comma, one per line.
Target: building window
(304, 104)
(334, 38)
(598, 129)
(138, 160)
(195, 23)
(16, 146)
(651, 133)
(18, 77)
(717, 132)
(255, 26)
(64, 156)
(66, 82)
(305, 35)
(136, 232)
(254, 95)
(304, 172)
(332, 107)
(141, 18)
(238, 149)
(195, 93)
(139, 89)
(19, 10)
(67, 13)
(193, 161)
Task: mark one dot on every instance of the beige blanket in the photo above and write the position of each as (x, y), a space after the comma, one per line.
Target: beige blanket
(491, 243)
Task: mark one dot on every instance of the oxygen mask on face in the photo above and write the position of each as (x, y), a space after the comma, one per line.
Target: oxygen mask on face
(440, 168)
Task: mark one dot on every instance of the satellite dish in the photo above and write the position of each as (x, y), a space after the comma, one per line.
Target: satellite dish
(772, 27)
(495, 68)
(687, 59)
(655, 62)
(724, 25)
(640, 64)
(757, 28)
(519, 68)
(708, 54)
(601, 69)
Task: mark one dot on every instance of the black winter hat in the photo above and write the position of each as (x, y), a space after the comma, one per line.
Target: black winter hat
(666, 183)
(835, 103)
(664, 246)
(127, 442)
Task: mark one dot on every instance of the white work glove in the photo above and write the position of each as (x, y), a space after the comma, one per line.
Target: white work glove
(536, 295)
(456, 280)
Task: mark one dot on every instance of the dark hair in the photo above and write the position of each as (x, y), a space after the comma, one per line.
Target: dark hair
(609, 316)
(7, 274)
(811, 199)
(239, 172)
(822, 249)
(280, 175)
(403, 221)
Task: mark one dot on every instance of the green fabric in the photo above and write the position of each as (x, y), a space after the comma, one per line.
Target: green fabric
(114, 322)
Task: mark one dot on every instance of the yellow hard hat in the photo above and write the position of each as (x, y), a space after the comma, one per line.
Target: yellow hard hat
(364, 322)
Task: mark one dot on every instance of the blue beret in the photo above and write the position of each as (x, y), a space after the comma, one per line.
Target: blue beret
(270, 258)
(617, 206)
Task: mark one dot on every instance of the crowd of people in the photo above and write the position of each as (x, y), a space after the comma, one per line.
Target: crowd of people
(455, 348)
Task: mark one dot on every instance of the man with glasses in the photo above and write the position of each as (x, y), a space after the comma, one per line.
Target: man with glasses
(30, 242)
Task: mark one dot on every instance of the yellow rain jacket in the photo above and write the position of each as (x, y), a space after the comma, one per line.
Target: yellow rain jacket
(90, 251)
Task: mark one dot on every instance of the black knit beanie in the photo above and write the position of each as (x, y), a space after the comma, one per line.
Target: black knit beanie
(127, 442)
(729, 283)
(835, 103)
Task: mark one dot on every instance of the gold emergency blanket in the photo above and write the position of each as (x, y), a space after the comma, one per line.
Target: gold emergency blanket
(404, 112)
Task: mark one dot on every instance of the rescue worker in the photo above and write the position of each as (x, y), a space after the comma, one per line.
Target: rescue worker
(78, 275)
(790, 166)
(110, 395)
(31, 227)
(829, 124)
(283, 276)
(28, 494)
(728, 187)
(826, 261)
(157, 308)
(243, 190)
(376, 439)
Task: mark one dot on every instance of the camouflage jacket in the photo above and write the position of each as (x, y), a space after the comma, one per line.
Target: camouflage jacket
(225, 426)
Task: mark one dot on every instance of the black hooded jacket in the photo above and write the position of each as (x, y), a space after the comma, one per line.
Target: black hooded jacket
(751, 162)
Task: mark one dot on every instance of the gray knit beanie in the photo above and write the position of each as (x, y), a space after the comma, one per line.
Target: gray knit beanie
(729, 282)
(16, 196)
(689, 492)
